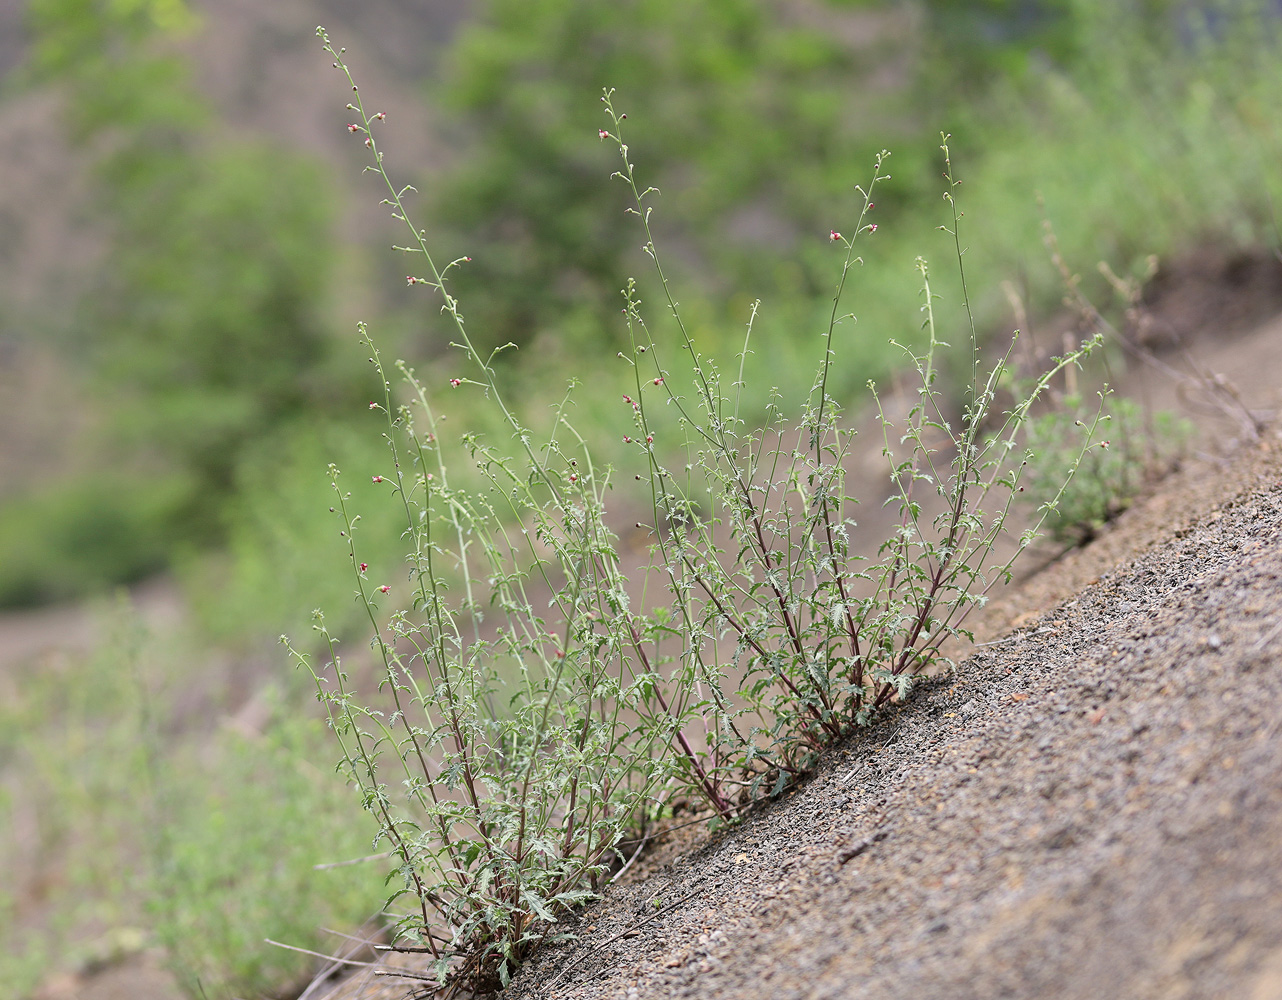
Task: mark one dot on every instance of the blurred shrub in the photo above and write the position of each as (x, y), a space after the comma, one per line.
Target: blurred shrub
(78, 537)
(104, 55)
(208, 319)
(748, 114)
(1139, 447)
(282, 543)
(203, 323)
(970, 43)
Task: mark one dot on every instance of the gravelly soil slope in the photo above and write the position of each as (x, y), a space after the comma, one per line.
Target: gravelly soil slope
(1090, 807)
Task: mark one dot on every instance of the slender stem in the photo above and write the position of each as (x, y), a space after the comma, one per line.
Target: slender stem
(723, 807)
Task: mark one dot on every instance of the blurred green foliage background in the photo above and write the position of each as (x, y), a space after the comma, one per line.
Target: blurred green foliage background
(208, 334)
(207, 321)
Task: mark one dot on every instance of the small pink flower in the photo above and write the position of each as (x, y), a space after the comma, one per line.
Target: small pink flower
(468, 259)
(573, 478)
(429, 477)
(373, 405)
(381, 115)
(384, 589)
(627, 399)
(378, 479)
(353, 128)
(369, 143)
(872, 228)
(603, 133)
(456, 382)
(834, 235)
(658, 381)
(871, 206)
(649, 439)
(364, 567)
(626, 439)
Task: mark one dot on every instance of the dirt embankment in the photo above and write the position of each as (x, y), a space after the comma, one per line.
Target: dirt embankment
(1091, 806)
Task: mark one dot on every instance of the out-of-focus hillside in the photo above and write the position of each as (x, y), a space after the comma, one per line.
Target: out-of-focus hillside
(190, 246)
(260, 66)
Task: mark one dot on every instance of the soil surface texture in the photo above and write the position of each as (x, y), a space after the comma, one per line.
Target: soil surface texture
(1089, 806)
